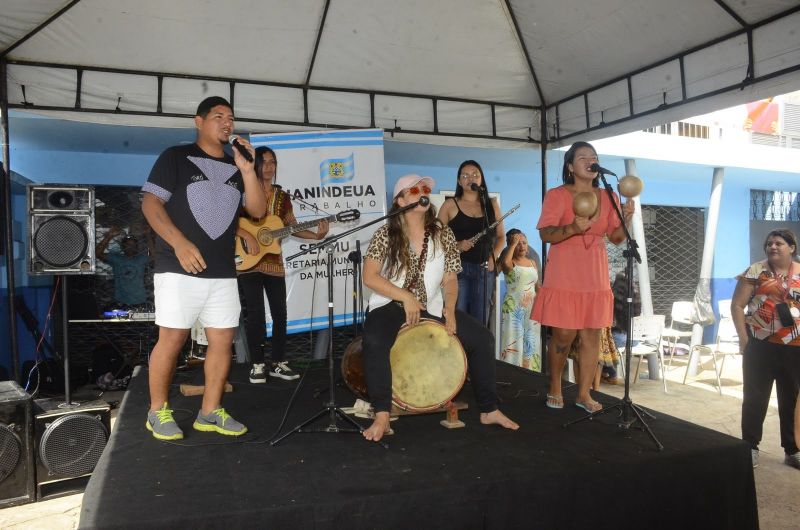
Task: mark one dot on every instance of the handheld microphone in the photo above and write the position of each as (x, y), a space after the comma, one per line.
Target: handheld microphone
(475, 187)
(598, 169)
(234, 141)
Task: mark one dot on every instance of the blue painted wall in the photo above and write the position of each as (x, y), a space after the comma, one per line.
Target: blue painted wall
(35, 291)
(514, 173)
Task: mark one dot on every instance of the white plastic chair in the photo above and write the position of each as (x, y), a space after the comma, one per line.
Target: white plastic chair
(646, 333)
(679, 320)
(727, 343)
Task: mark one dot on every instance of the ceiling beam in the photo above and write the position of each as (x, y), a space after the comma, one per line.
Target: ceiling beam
(680, 55)
(728, 9)
(177, 75)
(316, 44)
(39, 28)
(521, 41)
(160, 76)
(667, 106)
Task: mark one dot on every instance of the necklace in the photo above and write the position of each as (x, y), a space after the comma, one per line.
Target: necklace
(782, 279)
(413, 281)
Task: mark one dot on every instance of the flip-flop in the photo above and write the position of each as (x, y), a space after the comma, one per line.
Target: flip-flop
(589, 406)
(554, 402)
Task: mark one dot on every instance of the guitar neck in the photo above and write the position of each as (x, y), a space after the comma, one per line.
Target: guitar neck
(289, 230)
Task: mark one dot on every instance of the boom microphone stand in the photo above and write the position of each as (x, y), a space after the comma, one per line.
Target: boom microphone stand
(358, 295)
(331, 409)
(487, 253)
(358, 300)
(630, 413)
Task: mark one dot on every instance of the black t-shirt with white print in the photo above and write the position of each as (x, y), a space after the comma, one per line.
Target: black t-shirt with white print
(202, 195)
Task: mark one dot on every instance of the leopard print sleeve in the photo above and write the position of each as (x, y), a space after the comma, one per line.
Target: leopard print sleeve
(378, 247)
(452, 257)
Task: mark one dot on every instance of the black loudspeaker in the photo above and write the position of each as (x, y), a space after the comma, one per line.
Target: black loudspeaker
(69, 443)
(17, 483)
(61, 230)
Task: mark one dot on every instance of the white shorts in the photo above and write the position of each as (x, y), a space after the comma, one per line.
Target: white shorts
(181, 300)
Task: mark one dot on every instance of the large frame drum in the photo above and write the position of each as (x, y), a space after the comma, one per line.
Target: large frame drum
(429, 367)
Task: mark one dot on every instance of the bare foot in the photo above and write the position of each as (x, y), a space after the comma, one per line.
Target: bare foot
(378, 428)
(498, 418)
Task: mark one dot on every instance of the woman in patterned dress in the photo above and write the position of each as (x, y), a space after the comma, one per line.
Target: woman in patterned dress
(520, 336)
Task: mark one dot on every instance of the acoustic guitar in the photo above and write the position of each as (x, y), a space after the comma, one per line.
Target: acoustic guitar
(269, 232)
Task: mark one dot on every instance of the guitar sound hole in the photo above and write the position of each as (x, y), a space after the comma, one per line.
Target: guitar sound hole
(265, 239)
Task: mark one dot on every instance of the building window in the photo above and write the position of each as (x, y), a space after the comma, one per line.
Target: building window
(692, 130)
(768, 205)
(665, 128)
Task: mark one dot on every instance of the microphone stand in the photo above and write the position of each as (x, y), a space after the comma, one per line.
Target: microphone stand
(358, 294)
(358, 300)
(630, 413)
(331, 409)
(485, 242)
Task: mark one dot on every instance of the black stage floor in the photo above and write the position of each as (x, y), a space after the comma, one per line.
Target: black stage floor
(590, 475)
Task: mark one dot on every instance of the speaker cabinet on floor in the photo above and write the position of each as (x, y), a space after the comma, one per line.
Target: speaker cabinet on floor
(69, 443)
(62, 230)
(17, 483)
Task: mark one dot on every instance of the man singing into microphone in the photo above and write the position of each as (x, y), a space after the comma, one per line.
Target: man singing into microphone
(411, 266)
(191, 200)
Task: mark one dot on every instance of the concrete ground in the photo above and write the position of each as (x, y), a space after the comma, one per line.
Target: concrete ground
(777, 485)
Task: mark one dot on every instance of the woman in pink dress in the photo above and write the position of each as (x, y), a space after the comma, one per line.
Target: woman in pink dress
(575, 298)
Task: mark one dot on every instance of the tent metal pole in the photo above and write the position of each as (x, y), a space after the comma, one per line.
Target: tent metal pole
(5, 175)
(543, 154)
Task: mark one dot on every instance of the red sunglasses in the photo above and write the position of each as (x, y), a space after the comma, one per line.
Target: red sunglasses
(414, 190)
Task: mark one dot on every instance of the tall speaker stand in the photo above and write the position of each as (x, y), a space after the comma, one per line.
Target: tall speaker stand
(67, 404)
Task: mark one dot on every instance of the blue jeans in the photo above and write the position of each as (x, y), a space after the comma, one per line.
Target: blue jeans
(475, 290)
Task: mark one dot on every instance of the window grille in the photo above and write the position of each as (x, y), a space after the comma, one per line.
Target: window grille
(766, 205)
(674, 238)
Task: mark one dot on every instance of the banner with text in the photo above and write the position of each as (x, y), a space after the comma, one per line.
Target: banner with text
(327, 173)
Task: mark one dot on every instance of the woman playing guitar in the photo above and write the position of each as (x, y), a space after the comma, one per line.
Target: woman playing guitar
(268, 275)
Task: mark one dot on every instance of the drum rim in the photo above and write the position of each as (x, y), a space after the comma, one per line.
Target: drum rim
(411, 408)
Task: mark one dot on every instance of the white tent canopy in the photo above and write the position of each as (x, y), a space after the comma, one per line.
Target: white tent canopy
(463, 71)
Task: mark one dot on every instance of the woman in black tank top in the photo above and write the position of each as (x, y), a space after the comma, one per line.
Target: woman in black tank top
(467, 214)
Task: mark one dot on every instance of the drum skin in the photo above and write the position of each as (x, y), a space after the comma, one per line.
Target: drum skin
(428, 367)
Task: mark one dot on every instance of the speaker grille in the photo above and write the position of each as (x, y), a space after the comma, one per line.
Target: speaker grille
(72, 445)
(10, 451)
(60, 241)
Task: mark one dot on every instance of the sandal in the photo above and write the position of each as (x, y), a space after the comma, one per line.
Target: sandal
(589, 406)
(555, 402)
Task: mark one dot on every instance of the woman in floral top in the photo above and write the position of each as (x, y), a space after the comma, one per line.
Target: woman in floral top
(411, 266)
(769, 338)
